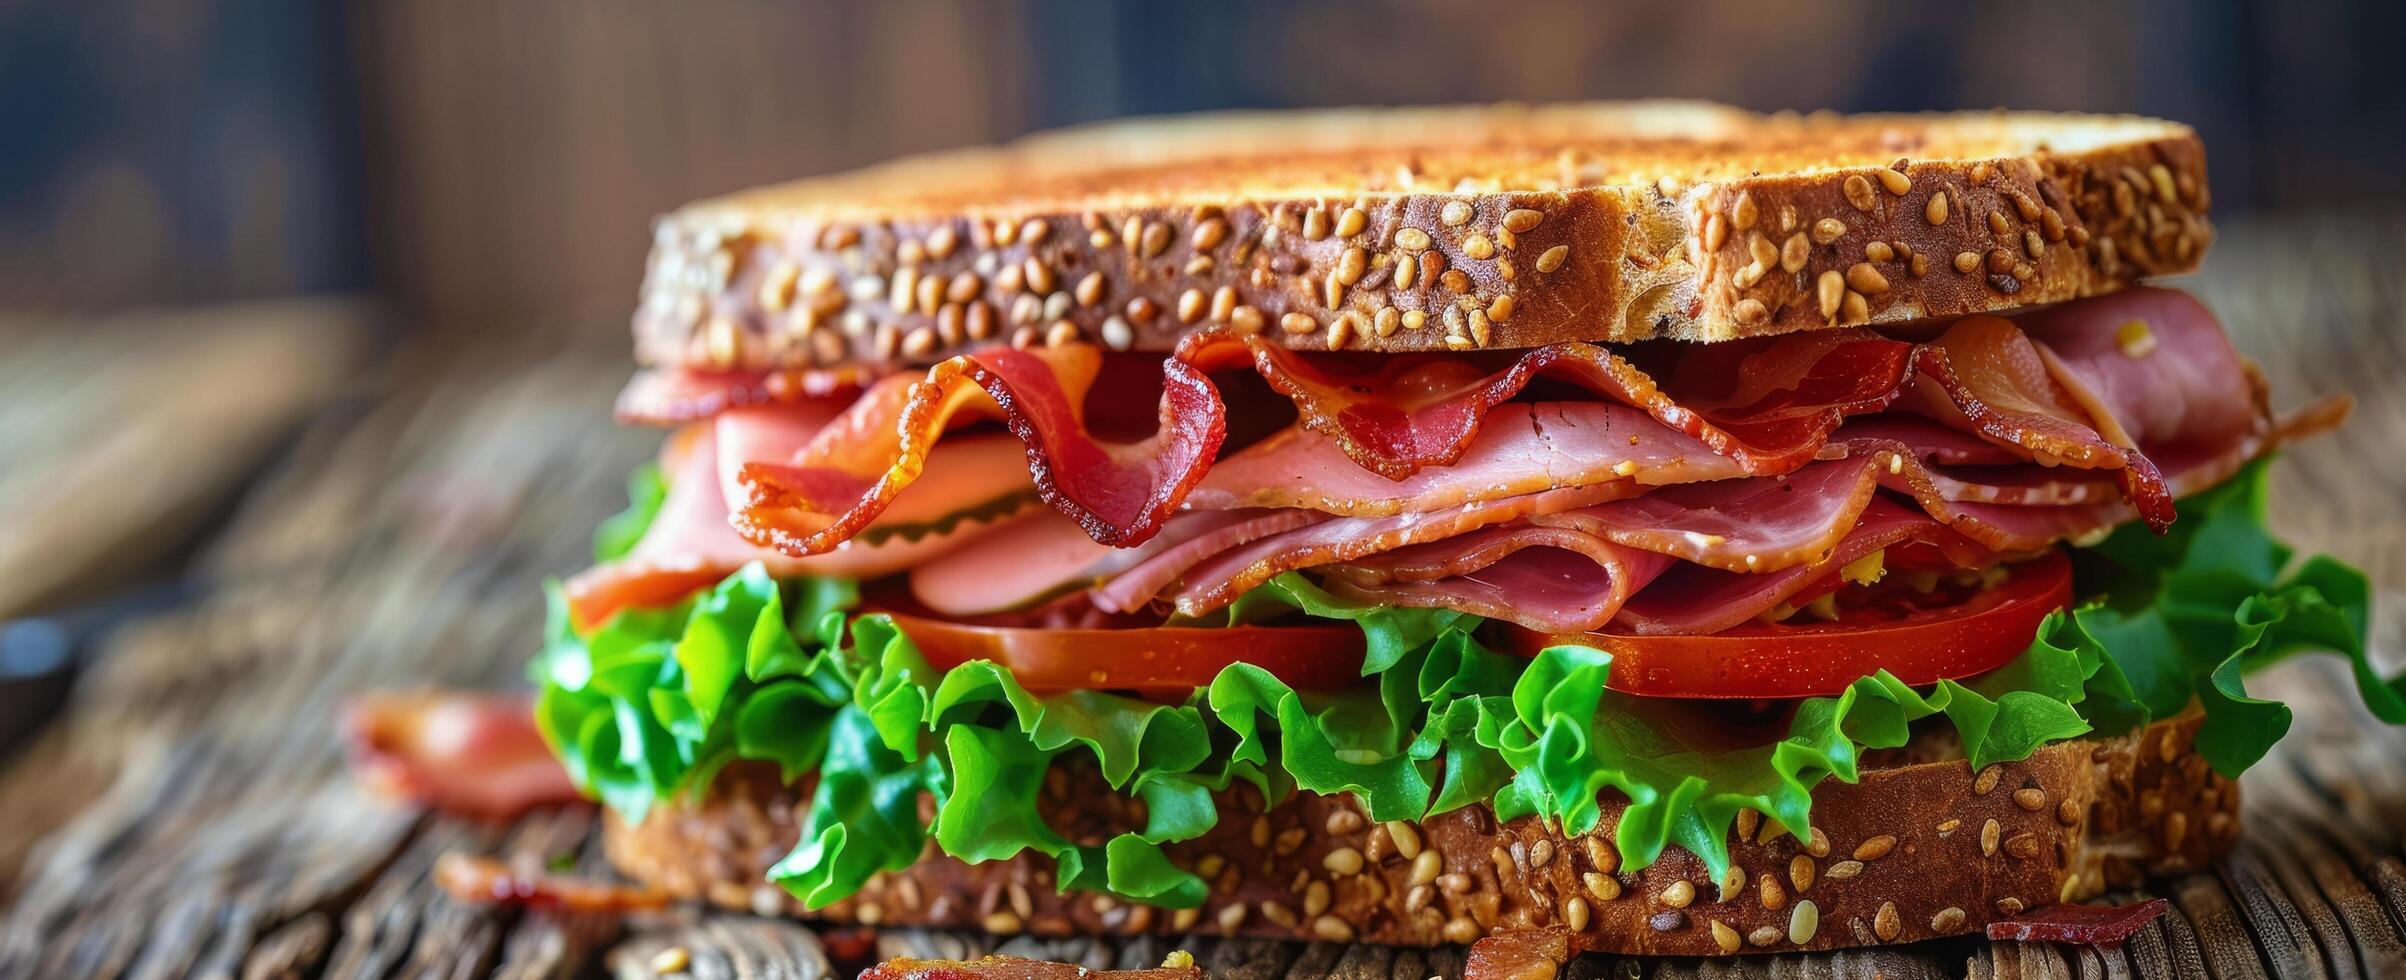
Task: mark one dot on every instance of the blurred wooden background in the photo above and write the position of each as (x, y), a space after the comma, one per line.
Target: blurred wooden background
(494, 165)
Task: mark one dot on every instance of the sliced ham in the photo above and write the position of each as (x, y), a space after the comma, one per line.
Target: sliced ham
(1692, 598)
(1758, 524)
(1557, 579)
(1522, 449)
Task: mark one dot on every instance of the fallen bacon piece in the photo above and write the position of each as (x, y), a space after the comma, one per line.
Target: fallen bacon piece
(2102, 926)
(1524, 954)
(468, 753)
(482, 880)
(1014, 968)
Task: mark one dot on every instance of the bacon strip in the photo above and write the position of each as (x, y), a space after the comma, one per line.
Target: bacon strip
(2102, 926)
(473, 754)
(1120, 494)
(488, 881)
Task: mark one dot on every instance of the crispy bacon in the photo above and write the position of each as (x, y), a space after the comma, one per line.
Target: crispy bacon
(489, 881)
(468, 753)
(669, 396)
(2102, 926)
(1119, 493)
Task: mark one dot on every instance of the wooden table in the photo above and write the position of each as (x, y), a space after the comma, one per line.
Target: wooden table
(190, 814)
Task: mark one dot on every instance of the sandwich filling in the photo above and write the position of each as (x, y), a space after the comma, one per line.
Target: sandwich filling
(1701, 577)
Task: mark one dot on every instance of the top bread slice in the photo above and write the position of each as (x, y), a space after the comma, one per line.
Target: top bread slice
(1427, 229)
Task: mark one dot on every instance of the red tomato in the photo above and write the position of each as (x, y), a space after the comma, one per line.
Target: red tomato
(1168, 660)
(1920, 644)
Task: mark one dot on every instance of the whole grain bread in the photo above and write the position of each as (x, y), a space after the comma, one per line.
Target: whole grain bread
(1427, 229)
(1920, 848)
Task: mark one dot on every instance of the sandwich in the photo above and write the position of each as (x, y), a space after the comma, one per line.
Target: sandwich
(1677, 529)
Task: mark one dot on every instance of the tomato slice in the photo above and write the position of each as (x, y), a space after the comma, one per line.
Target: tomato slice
(1163, 661)
(1919, 644)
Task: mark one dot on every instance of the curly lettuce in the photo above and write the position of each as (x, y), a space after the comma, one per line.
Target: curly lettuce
(648, 706)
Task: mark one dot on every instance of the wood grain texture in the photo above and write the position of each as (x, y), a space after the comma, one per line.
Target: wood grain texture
(190, 816)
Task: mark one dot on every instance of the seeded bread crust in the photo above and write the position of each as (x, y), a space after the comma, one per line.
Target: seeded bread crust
(1427, 229)
(1913, 851)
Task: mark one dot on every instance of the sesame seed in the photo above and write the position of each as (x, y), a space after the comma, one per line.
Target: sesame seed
(1667, 920)
(1716, 233)
(1279, 915)
(1457, 342)
(1793, 253)
(1478, 247)
(1352, 265)
(1552, 258)
(1749, 818)
(1500, 310)
(1947, 920)
(1894, 180)
(1996, 222)
(1732, 882)
(1061, 334)
(1875, 848)
(1460, 930)
(1800, 872)
(1406, 270)
(675, 959)
(1859, 193)
(1223, 303)
(2032, 798)
(1455, 280)
(1751, 311)
(941, 242)
(1315, 897)
(1342, 329)
(1574, 913)
(1412, 239)
(1231, 917)
(1117, 334)
(1037, 275)
(1190, 305)
(1521, 221)
(1936, 210)
(1828, 230)
(1002, 922)
(1004, 232)
(1315, 225)
(1988, 837)
(1967, 262)
(1885, 923)
(1831, 290)
(931, 293)
(2025, 846)
(1844, 870)
(1332, 290)
(1332, 929)
(1455, 214)
(1725, 937)
(1769, 892)
(1863, 278)
(1032, 231)
(1919, 265)
(1209, 234)
(1386, 321)
(1298, 323)
(1056, 306)
(1352, 223)
(1987, 779)
(1415, 319)
(1764, 935)
(1805, 920)
(1879, 251)
(1156, 239)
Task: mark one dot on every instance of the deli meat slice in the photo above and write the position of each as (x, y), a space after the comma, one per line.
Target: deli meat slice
(1753, 525)
(1554, 579)
(1523, 448)
(1696, 599)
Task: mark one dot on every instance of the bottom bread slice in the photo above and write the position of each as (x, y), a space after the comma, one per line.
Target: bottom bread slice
(1915, 850)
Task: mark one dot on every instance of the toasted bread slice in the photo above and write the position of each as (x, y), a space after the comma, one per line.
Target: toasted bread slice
(1922, 847)
(1427, 229)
